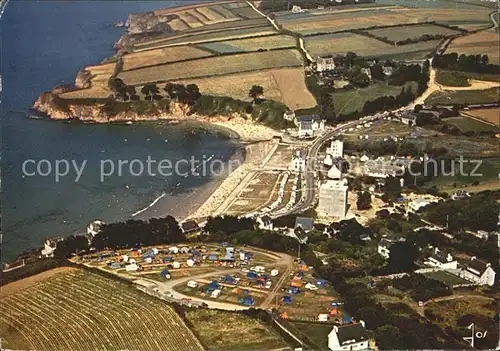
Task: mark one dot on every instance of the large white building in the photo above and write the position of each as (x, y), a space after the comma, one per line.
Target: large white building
(349, 337)
(333, 199)
(336, 148)
(309, 126)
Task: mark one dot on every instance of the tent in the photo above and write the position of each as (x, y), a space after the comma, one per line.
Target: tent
(115, 265)
(213, 285)
(164, 273)
(320, 282)
(293, 291)
(287, 300)
(248, 301)
(252, 275)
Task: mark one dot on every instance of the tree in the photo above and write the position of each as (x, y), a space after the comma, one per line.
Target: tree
(364, 200)
(71, 245)
(402, 257)
(255, 92)
(117, 85)
(392, 189)
(388, 337)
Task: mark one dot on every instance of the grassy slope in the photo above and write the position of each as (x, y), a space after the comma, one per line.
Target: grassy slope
(464, 97)
(460, 79)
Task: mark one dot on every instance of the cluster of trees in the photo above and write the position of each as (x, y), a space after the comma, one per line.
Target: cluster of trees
(389, 102)
(468, 63)
(136, 233)
(407, 147)
(478, 212)
(393, 330)
(405, 73)
(422, 288)
(364, 201)
(392, 189)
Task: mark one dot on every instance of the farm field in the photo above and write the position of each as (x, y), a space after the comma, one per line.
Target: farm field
(354, 100)
(461, 79)
(404, 32)
(79, 310)
(252, 44)
(208, 37)
(342, 43)
(99, 89)
(160, 56)
(224, 330)
(316, 332)
(464, 97)
(466, 124)
(489, 115)
(484, 43)
(334, 22)
(213, 66)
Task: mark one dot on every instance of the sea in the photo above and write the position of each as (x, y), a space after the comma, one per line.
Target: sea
(44, 44)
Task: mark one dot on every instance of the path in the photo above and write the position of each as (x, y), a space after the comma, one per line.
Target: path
(304, 50)
(495, 23)
(273, 22)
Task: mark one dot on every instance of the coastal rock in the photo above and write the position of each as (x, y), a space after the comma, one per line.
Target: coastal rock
(145, 22)
(83, 79)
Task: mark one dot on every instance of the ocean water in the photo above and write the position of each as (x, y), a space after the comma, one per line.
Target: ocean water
(43, 44)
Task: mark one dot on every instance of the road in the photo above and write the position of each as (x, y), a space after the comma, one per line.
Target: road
(273, 22)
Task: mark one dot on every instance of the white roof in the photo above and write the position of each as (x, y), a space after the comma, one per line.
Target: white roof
(334, 184)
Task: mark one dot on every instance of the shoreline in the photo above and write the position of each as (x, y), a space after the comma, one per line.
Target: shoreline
(210, 197)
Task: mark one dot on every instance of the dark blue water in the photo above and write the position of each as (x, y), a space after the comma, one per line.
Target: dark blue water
(44, 44)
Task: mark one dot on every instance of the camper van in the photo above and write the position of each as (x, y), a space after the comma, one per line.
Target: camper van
(192, 284)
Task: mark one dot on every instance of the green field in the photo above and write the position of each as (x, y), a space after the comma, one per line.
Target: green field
(342, 43)
(213, 66)
(252, 44)
(353, 100)
(207, 37)
(224, 330)
(316, 332)
(461, 79)
(446, 278)
(464, 97)
(401, 33)
(466, 124)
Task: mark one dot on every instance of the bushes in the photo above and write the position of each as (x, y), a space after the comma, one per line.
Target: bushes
(422, 288)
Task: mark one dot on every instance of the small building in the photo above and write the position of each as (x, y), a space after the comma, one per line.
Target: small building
(441, 260)
(323, 317)
(334, 173)
(387, 70)
(306, 223)
(50, 245)
(368, 72)
(333, 199)
(190, 226)
(265, 223)
(336, 148)
(289, 116)
(384, 247)
(409, 119)
(95, 227)
(325, 64)
(417, 204)
(229, 256)
(298, 161)
(297, 9)
(348, 337)
(478, 272)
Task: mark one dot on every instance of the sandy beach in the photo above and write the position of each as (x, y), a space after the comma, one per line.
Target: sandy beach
(259, 137)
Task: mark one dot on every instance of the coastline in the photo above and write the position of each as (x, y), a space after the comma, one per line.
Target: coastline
(209, 198)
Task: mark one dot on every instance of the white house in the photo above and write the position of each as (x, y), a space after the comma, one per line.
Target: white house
(289, 116)
(298, 161)
(49, 246)
(336, 148)
(95, 227)
(265, 222)
(384, 246)
(441, 260)
(409, 119)
(367, 71)
(349, 337)
(334, 173)
(478, 272)
(388, 70)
